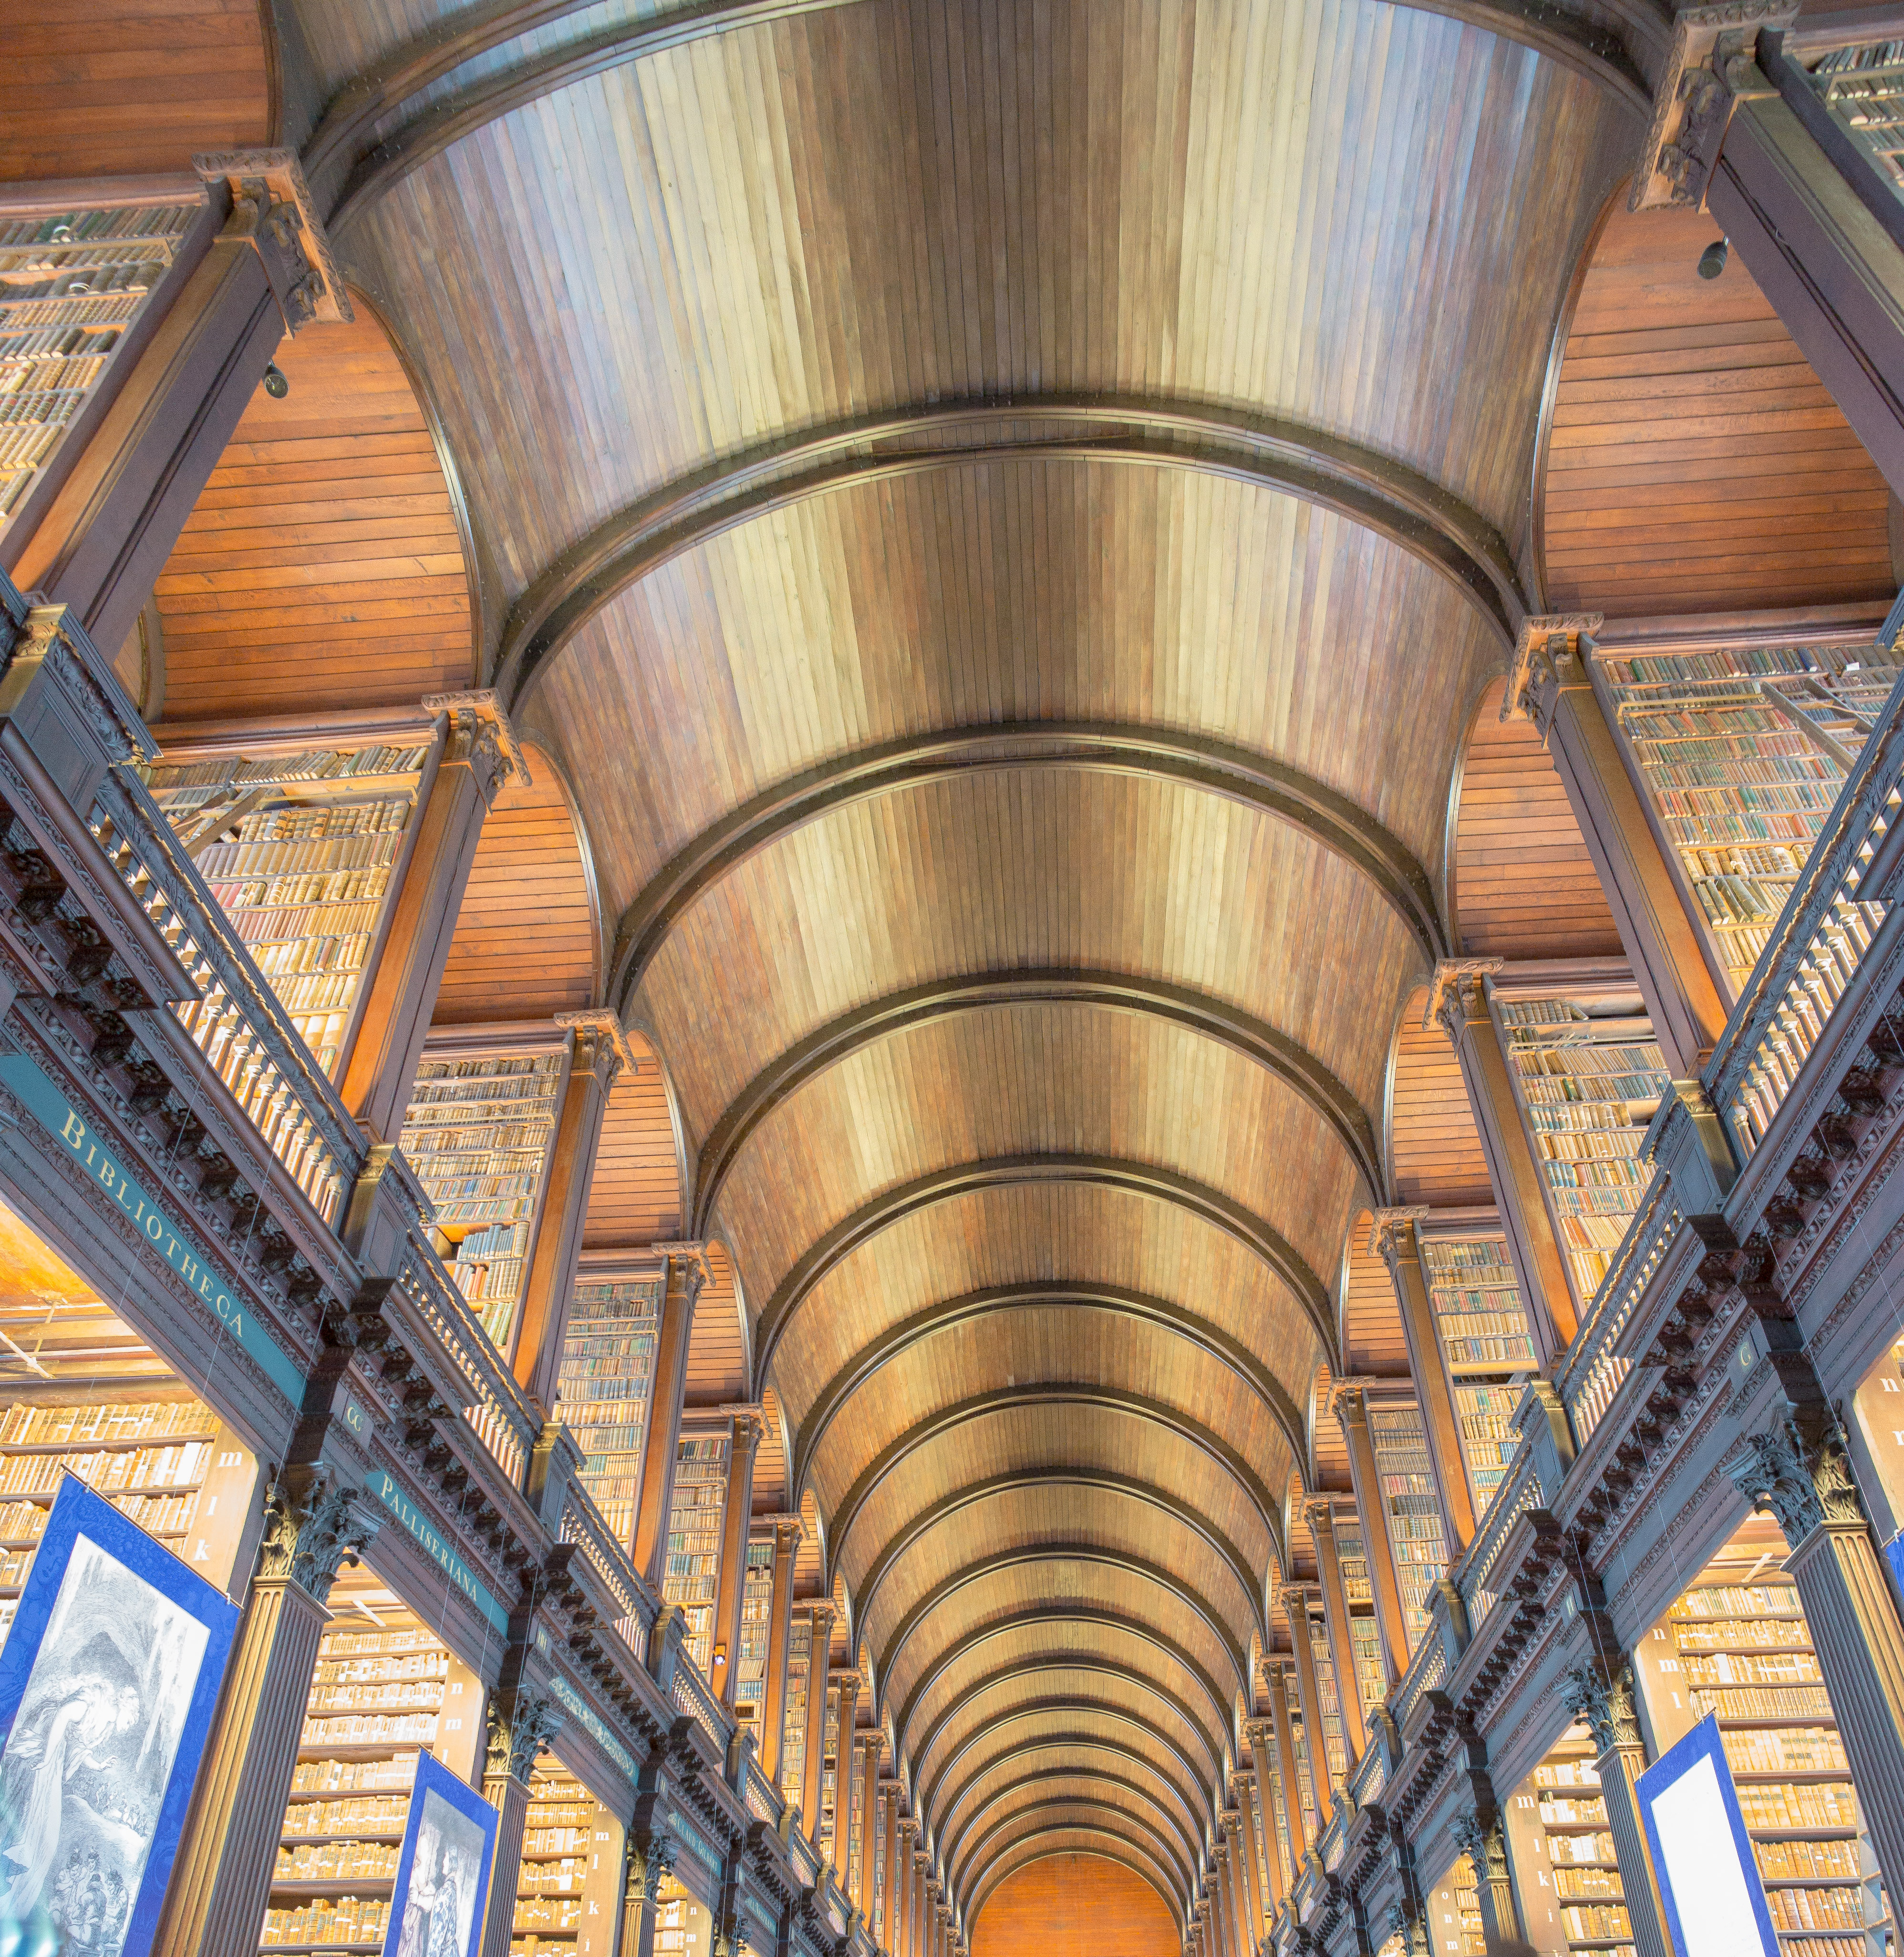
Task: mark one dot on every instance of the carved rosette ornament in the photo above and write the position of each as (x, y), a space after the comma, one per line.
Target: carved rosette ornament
(1803, 1484)
(312, 1528)
(1605, 1701)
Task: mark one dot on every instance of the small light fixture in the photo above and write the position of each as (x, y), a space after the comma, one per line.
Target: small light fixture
(1712, 260)
(277, 387)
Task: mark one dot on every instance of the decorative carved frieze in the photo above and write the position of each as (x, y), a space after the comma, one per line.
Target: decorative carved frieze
(272, 206)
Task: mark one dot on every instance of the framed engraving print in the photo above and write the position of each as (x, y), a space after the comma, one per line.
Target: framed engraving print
(443, 1869)
(108, 1683)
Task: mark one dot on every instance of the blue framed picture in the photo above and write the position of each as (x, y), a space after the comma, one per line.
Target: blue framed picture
(443, 1871)
(1709, 1876)
(108, 1683)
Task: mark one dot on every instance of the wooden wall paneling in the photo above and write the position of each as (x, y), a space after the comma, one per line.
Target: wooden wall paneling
(1525, 886)
(771, 1463)
(1434, 1148)
(636, 1197)
(1075, 1905)
(717, 1355)
(119, 87)
(1372, 1339)
(1695, 461)
(1329, 1451)
(525, 940)
(322, 566)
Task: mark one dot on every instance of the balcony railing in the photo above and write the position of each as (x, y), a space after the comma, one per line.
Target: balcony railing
(236, 1021)
(583, 1525)
(1816, 946)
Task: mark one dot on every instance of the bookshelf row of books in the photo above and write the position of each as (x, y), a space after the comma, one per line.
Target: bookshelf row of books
(300, 865)
(756, 1613)
(823, 1834)
(1589, 1902)
(1589, 1076)
(69, 288)
(691, 1575)
(1486, 1344)
(568, 1877)
(478, 1133)
(1412, 1509)
(1372, 1680)
(1725, 748)
(793, 1739)
(1335, 1744)
(607, 1381)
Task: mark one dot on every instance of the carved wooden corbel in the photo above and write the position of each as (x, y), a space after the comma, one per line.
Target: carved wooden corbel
(1713, 64)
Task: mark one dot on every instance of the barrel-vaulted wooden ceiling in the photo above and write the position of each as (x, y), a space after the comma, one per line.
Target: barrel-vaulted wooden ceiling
(1003, 514)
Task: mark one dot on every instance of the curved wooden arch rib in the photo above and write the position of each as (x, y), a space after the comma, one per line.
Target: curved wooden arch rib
(968, 1842)
(1267, 787)
(1230, 1026)
(1065, 1552)
(1269, 1246)
(1177, 1320)
(1131, 1833)
(1086, 1742)
(1183, 1514)
(1112, 1622)
(1046, 1662)
(1001, 1869)
(1367, 487)
(1564, 38)
(1061, 1705)
(934, 1426)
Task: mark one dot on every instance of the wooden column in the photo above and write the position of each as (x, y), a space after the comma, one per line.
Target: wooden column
(889, 1824)
(929, 1894)
(597, 1053)
(787, 1532)
(107, 534)
(1243, 1785)
(1295, 1604)
(1550, 682)
(737, 1516)
(651, 1860)
(1392, 1237)
(1801, 1474)
(906, 1832)
(687, 1272)
(1335, 1614)
(1238, 1874)
(1352, 1409)
(819, 1663)
(1604, 1699)
(1261, 1734)
(1222, 1927)
(1293, 1811)
(221, 1880)
(521, 1723)
(1484, 1842)
(866, 1812)
(1458, 999)
(378, 1070)
(847, 1686)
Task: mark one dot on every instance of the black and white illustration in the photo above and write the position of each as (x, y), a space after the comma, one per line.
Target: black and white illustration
(88, 1761)
(445, 1886)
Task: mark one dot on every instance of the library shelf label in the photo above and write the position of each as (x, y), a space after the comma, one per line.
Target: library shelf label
(58, 1116)
(443, 1870)
(419, 1526)
(1709, 1876)
(108, 1684)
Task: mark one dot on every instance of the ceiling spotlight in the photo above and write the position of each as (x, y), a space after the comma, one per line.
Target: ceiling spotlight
(277, 387)
(1712, 260)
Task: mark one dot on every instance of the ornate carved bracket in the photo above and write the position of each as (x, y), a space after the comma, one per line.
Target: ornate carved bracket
(312, 1528)
(1391, 1232)
(1603, 1698)
(519, 1732)
(601, 1045)
(1804, 1482)
(1713, 62)
(1537, 645)
(271, 205)
(480, 735)
(1455, 986)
